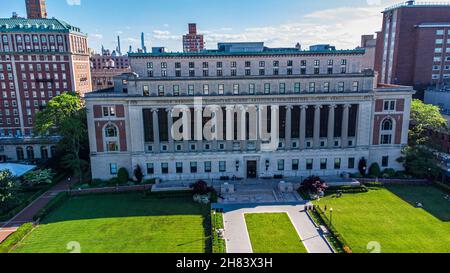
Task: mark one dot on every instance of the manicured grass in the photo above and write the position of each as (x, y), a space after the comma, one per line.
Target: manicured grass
(273, 233)
(122, 223)
(382, 215)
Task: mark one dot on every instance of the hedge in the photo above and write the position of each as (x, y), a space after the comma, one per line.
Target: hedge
(218, 245)
(15, 237)
(341, 243)
(442, 186)
(347, 189)
(55, 202)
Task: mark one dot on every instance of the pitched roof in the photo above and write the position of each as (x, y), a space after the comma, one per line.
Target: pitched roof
(36, 25)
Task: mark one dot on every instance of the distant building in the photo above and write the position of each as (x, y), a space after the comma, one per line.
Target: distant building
(369, 44)
(39, 59)
(105, 66)
(193, 42)
(36, 9)
(413, 47)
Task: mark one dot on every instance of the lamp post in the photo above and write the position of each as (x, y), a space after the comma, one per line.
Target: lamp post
(331, 216)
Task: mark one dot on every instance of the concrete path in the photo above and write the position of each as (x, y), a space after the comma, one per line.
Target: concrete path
(238, 240)
(26, 215)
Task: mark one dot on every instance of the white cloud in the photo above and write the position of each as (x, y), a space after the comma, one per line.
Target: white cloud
(96, 36)
(73, 2)
(164, 35)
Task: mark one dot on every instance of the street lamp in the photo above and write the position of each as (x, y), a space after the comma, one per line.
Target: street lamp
(331, 216)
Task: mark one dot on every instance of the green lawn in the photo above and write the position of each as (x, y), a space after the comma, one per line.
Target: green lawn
(122, 223)
(273, 233)
(389, 216)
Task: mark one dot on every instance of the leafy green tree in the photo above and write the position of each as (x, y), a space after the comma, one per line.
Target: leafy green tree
(375, 170)
(424, 117)
(65, 116)
(419, 162)
(38, 177)
(7, 186)
(123, 176)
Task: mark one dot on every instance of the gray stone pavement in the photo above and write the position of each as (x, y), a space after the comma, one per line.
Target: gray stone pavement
(236, 234)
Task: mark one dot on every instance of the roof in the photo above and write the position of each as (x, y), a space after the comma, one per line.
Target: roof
(413, 4)
(16, 169)
(36, 25)
(267, 51)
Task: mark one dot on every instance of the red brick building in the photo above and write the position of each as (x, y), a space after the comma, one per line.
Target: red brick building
(413, 47)
(39, 59)
(105, 66)
(193, 42)
(36, 9)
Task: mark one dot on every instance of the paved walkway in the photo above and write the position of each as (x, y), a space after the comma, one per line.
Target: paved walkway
(238, 240)
(26, 215)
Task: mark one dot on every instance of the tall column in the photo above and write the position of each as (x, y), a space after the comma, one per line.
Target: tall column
(331, 119)
(186, 129)
(288, 127)
(345, 117)
(198, 127)
(243, 135)
(230, 127)
(156, 142)
(302, 126)
(316, 137)
(169, 128)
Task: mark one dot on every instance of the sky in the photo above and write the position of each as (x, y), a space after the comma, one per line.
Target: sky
(278, 23)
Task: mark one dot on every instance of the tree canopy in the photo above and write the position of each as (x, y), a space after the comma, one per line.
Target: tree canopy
(425, 117)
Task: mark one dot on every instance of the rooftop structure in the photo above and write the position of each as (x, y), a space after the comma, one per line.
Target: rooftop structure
(36, 9)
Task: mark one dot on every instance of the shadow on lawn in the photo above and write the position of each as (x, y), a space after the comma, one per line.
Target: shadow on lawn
(432, 199)
(122, 206)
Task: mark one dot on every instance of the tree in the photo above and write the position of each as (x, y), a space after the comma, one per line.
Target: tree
(375, 170)
(65, 116)
(314, 184)
(138, 174)
(6, 186)
(362, 166)
(38, 177)
(419, 162)
(123, 176)
(424, 117)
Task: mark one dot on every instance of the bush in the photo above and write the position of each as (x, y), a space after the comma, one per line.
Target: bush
(113, 181)
(55, 202)
(389, 173)
(314, 184)
(342, 244)
(123, 176)
(347, 189)
(15, 237)
(200, 188)
(138, 174)
(375, 170)
(218, 244)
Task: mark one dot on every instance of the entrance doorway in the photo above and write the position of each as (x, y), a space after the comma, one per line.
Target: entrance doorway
(252, 169)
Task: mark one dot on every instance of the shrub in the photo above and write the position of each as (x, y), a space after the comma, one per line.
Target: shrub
(375, 170)
(347, 189)
(362, 166)
(389, 173)
(97, 182)
(15, 237)
(138, 174)
(123, 176)
(200, 188)
(113, 181)
(38, 177)
(314, 184)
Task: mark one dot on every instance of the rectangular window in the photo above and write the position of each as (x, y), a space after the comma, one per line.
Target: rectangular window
(295, 164)
(389, 105)
(267, 88)
(191, 90)
(205, 89)
(222, 166)
(193, 167)
(179, 167)
(150, 168)
(340, 87)
(282, 88)
(351, 163)
(113, 168)
(309, 164)
(146, 91)
(337, 163)
(323, 163)
(251, 89)
(297, 88)
(235, 89)
(164, 168)
(326, 87)
(176, 90)
(385, 161)
(207, 166)
(281, 165)
(355, 86)
(312, 87)
(161, 90)
(221, 89)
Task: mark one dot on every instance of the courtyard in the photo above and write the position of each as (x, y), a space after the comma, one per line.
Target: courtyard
(388, 217)
(122, 223)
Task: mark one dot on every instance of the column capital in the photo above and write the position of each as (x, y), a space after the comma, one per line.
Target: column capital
(289, 107)
(230, 108)
(155, 110)
(347, 105)
(332, 106)
(318, 106)
(303, 107)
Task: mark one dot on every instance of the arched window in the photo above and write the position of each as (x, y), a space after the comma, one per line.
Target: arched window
(44, 152)
(20, 154)
(387, 131)
(111, 138)
(387, 125)
(30, 153)
(110, 131)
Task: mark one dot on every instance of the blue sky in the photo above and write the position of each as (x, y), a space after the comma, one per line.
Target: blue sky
(276, 22)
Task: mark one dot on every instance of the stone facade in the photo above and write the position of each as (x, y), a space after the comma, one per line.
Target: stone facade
(328, 109)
